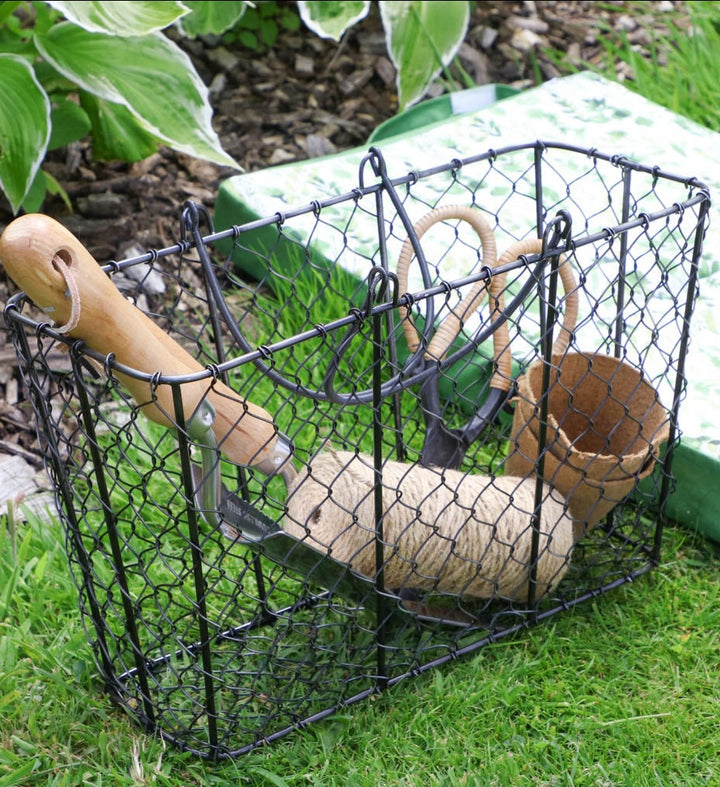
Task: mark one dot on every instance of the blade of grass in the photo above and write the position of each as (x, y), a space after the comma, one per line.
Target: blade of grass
(679, 70)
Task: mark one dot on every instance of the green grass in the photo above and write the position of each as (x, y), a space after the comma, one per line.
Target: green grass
(621, 691)
(678, 69)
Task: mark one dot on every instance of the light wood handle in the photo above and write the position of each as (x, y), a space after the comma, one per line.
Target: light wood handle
(109, 323)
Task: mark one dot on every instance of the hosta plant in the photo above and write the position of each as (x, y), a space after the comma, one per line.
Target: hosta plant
(109, 70)
(105, 68)
(422, 36)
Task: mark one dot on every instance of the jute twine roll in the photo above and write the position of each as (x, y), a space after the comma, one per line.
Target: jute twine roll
(605, 426)
(443, 530)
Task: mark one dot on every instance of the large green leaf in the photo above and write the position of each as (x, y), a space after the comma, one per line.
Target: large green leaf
(422, 38)
(69, 123)
(121, 18)
(331, 20)
(149, 75)
(24, 127)
(211, 17)
(115, 132)
(33, 200)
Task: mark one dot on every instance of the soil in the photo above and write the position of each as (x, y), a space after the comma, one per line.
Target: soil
(302, 98)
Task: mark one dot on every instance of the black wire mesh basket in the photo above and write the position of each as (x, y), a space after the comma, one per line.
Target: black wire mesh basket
(363, 437)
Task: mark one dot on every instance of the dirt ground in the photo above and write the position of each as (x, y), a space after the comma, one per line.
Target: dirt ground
(305, 97)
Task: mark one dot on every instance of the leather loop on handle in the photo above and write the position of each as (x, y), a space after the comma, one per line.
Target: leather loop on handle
(451, 326)
(108, 323)
(503, 357)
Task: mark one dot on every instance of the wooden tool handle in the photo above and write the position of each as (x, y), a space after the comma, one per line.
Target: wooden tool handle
(35, 248)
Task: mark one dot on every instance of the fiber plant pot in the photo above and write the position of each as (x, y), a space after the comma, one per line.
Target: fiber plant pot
(605, 426)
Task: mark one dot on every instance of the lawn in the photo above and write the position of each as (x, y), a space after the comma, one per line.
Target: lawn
(620, 691)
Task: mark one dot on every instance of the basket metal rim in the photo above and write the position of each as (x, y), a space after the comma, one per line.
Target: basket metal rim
(14, 306)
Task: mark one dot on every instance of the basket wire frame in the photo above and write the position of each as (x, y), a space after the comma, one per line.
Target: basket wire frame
(220, 644)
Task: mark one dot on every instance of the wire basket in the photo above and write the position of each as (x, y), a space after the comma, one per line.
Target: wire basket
(438, 498)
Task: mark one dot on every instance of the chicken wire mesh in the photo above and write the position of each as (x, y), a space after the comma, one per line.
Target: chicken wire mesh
(441, 492)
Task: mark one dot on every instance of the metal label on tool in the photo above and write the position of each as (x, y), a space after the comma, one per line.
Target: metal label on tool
(249, 523)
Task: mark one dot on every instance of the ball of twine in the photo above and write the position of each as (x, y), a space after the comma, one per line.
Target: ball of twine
(444, 531)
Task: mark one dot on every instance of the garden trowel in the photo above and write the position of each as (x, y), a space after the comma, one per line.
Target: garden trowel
(62, 279)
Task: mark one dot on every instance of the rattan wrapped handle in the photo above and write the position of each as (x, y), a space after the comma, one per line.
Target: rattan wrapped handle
(503, 356)
(34, 249)
(451, 325)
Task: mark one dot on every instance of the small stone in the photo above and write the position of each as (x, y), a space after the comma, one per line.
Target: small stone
(488, 36)
(280, 156)
(218, 85)
(356, 81)
(102, 205)
(549, 70)
(524, 40)
(625, 22)
(475, 62)
(573, 53)
(304, 65)
(317, 145)
(223, 58)
(385, 70)
(535, 24)
(140, 168)
(150, 280)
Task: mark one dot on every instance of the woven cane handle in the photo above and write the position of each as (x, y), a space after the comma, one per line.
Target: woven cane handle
(36, 249)
(451, 326)
(503, 356)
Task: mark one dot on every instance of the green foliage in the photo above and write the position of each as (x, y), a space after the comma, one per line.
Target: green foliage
(331, 20)
(25, 122)
(65, 71)
(211, 17)
(422, 37)
(261, 24)
(680, 70)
